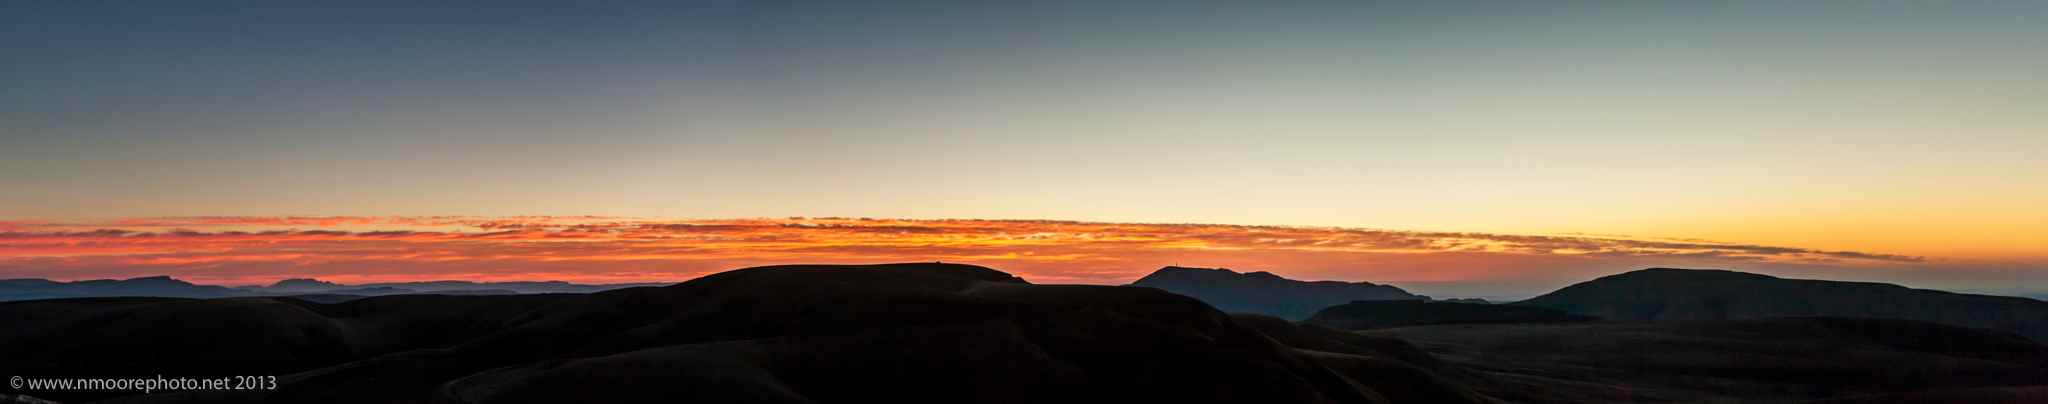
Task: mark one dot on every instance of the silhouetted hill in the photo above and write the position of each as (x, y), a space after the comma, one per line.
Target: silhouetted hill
(301, 285)
(1264, 292)
(1685, 294)
(154, 286)
(1758, 360)
(903, 333)
(1362, 315)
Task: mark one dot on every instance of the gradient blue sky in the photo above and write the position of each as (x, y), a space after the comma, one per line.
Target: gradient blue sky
(1900, 127)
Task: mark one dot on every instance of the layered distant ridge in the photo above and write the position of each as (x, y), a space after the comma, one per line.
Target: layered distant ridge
(1266, 293)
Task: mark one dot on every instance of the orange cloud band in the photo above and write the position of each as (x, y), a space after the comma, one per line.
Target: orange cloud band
(236, 250)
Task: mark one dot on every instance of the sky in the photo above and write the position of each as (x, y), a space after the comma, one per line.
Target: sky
(1889, 128)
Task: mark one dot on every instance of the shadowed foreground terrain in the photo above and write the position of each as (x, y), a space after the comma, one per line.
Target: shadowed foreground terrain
(795, 334)
(1789, 359)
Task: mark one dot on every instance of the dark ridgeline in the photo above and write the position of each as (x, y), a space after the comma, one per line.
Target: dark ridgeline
(1685, 294)
(936, 333)
(1266, 293)
(1368, 314)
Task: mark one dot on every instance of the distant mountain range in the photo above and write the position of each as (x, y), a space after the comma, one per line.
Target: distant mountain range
(165, 286)
(1266, 293)
(154, 286)
(1687, 294)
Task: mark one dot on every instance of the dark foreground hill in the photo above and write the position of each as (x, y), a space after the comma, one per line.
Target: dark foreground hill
(904, 333)
(1775, 360)
(1685, 294)
(1362, 315)
(1266, 293)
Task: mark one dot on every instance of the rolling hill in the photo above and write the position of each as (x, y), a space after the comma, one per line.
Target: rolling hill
(1685, 294)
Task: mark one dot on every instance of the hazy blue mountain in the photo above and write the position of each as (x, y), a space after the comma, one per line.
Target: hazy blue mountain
(1266, 293)
(302, 285)
(153, 286)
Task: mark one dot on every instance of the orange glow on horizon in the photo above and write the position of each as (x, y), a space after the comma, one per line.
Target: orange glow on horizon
(249, 250)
